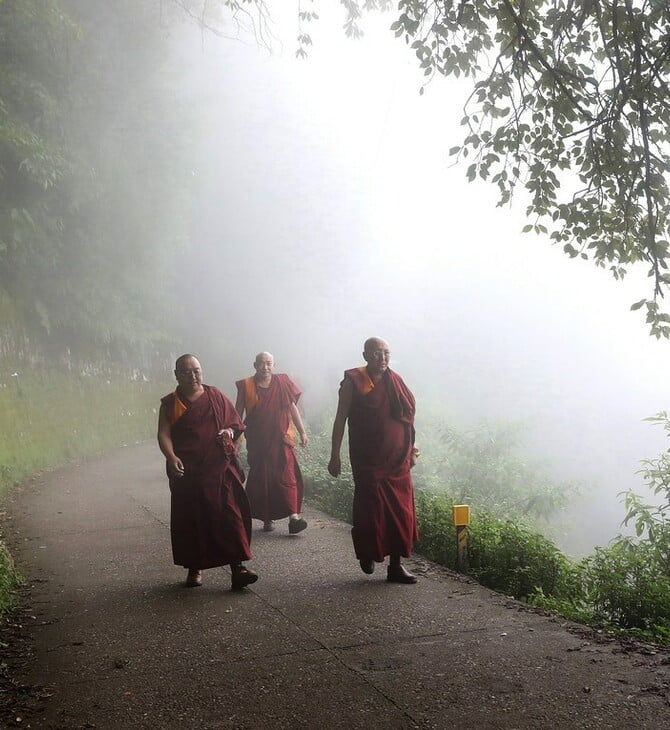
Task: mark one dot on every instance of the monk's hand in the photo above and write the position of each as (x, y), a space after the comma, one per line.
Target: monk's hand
(176, 467)
(225, 438)
(304, 440)
(415, 455)
(334, 466)
(226, 435)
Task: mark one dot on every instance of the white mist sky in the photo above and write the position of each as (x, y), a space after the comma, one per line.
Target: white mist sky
(330, 211)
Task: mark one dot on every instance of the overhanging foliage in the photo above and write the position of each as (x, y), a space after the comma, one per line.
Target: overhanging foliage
(570, 102)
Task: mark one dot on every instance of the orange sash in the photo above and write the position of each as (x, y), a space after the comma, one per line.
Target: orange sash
(250, 394)
(178, 409)
(367, 385)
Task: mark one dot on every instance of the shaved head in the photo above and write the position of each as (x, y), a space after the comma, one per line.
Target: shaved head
(375, 343)
(264, 365)
(377, 355)
(264, 356)
(182, 359)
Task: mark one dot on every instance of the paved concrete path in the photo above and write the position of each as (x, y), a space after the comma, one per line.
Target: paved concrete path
(120, 643)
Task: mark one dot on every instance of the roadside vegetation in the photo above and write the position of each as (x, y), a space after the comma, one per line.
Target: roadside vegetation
(622, 587)
(48, 418)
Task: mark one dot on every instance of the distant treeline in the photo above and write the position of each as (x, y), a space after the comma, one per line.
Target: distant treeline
(94, 183)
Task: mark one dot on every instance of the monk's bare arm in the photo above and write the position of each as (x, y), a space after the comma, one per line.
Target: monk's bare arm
(297, 420)
(343, 407)
(175, 465)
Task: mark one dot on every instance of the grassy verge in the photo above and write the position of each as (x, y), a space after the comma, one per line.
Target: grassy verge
(48, 418)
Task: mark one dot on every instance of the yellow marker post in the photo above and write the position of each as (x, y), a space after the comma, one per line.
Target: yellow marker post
(461, 515)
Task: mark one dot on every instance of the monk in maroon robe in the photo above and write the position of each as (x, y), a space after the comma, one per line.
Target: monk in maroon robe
(210, 521)
(274, 485)
(379, 409)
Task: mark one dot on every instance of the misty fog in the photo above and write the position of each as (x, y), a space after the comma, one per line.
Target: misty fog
(329, 211)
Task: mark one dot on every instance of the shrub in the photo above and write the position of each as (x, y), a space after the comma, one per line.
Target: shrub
(484, 467)
(437, 534)
(626, 587)
(509, 557)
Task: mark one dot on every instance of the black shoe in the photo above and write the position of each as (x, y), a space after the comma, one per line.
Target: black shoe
(194, 578)
(268, 526)
(296, 525)
(367, 566)
(242, 577)
(398, 574)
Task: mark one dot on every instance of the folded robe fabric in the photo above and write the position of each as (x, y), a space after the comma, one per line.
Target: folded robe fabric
(210, 521)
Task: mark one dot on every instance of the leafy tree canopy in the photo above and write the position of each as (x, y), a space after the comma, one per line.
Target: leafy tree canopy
(570, 101)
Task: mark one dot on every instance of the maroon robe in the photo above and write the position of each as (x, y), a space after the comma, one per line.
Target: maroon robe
(274, 485)
(381, 438)
(210, 523)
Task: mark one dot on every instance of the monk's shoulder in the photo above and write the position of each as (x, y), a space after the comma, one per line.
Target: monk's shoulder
(358, 377)
(215, 393)
(287, 386)
(285, 380)
(398, 378)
